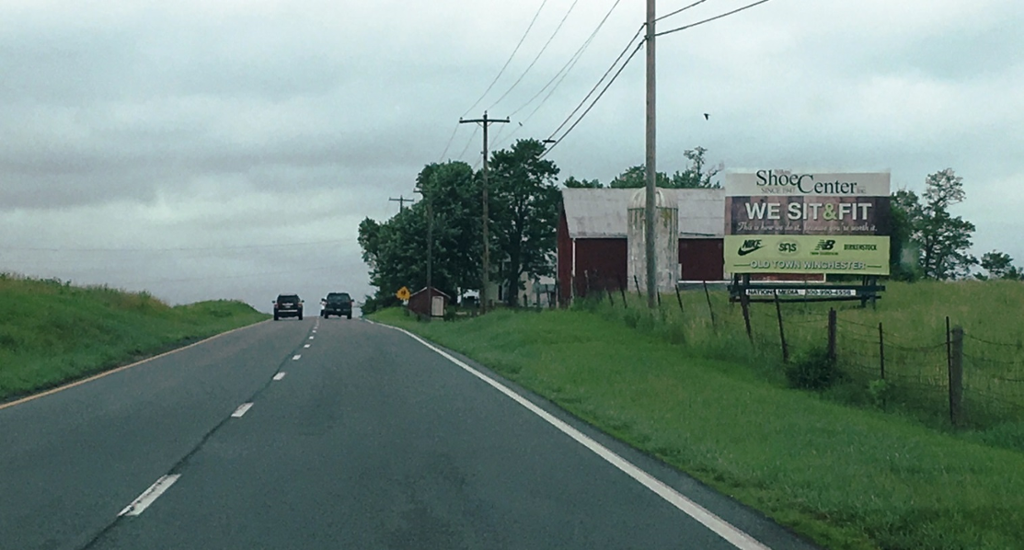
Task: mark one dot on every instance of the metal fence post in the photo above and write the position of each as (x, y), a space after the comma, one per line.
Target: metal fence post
(881, 351)
(831, 334)
(956, 378)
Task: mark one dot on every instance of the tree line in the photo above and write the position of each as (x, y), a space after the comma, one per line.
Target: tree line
(927, 241)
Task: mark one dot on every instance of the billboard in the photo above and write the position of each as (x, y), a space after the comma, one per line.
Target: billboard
(778, 221)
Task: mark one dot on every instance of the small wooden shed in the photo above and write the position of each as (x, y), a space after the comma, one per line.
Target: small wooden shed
(432, 304)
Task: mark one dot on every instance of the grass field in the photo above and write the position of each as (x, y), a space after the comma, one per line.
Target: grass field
(835, 466)
(52, 333)
(913, 319)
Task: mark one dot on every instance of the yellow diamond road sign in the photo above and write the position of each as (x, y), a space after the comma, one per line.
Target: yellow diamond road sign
(403, 293)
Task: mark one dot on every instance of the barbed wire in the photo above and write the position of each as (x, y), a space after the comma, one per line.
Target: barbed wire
(1013, 380)
(1018, 345)
(978, 359)
(996, 398)
(840, 320)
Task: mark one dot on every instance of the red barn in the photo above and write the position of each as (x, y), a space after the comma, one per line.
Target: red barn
(592, 252)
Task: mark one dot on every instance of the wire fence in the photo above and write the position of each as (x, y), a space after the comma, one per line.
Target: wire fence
(977, 380)
(901, 363)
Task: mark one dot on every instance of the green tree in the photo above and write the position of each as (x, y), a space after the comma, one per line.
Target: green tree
(573, 183)
(943, 240)
(904, 253)
(999, 265)
(396, 250)
(697, 175)
(454, 191)
(524, 212)
(635, 177)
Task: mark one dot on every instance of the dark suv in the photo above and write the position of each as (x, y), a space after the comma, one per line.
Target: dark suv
(337, 303)
(287, 305)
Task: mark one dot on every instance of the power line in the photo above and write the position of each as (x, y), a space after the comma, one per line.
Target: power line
(598, 98)
(537, 57)
(501, 130)
(710, 19)
(468, 143)
(505, 66)
(591, 106)
(449, 144)
(561, 75)
(569, 65)
(598, 84)
(680, 10)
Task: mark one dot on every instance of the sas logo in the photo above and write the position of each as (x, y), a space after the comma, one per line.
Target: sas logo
(750, 245)
(788, 248)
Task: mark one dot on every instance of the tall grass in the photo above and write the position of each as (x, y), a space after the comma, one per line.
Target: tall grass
(53, 332)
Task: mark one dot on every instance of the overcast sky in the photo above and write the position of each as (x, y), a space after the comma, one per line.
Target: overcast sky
(205, 149)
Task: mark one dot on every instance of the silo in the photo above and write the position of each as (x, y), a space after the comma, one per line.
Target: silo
(666, 239)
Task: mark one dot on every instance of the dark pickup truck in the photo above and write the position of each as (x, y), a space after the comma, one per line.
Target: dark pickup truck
(337, 303)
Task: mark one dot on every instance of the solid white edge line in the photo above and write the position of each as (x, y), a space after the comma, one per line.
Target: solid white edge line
(241, 410)
(720, 527)
(149, 496)
(279, 376)
(119, 369)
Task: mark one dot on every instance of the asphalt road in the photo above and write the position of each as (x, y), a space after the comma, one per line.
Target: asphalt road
(336, 434)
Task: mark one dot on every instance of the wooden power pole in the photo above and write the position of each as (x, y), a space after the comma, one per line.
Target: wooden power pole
(651, 162)
(401, 200)
(485, 279)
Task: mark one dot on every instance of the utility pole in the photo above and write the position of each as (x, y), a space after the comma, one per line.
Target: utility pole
(485, 279)
(401, 200)
(430, 250)
(430, 254)
(651, 249)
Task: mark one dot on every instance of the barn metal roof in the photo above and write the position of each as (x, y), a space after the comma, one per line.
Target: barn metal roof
(601, 213)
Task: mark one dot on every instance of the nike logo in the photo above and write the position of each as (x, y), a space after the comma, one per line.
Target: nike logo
(750, 246)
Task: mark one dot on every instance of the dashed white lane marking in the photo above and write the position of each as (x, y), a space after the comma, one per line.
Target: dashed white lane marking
(149, 496)
(241, 410)
(719, 526)
(306, 346)
(296, 357)
(310, 337)
(279, 376)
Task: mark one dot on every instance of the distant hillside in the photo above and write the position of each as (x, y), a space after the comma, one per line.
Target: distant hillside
(53, 332)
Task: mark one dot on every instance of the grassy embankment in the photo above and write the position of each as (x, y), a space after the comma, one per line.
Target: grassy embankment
(832, 465)
(52, 333)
